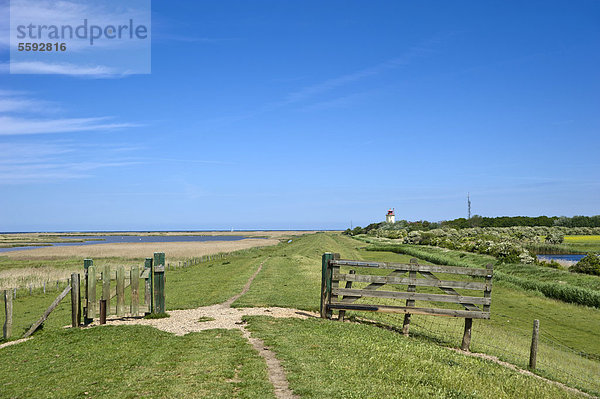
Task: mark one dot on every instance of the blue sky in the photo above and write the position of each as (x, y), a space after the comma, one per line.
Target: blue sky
(313, 114)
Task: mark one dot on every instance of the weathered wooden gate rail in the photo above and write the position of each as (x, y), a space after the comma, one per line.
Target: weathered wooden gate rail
(333, 297)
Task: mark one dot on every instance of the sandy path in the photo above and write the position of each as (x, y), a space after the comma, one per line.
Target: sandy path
(222, 315)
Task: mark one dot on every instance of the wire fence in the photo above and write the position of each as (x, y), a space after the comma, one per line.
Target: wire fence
(508, 339)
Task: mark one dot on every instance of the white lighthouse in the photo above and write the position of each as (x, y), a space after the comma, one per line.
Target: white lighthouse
(390, 217)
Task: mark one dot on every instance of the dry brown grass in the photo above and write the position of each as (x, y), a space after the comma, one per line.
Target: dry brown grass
(172, 250)
(36, 277)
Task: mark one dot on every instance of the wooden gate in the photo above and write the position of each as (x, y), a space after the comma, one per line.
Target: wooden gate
(116, 285)
(411, 276)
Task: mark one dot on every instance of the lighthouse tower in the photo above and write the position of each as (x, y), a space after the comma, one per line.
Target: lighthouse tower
(390, 217)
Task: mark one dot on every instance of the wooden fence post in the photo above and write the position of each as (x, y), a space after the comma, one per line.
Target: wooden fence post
(91, 305)
(534, 344)
(159, 282)
(466, 341)
(8, 311)
(148, 298)
(106, 287)
(86, 264)
(75, 301)
(120, 291)
(103, 311)
(135, 294)
(409, 302)
(325, 282)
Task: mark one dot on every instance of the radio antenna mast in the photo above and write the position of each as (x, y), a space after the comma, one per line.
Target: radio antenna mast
(469, 205)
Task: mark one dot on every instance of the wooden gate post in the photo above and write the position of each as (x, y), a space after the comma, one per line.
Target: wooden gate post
(148, 297)
(159, 282)
(534, 344)
(8, 310)
(325, 282)
(75, 301)
(86, 264)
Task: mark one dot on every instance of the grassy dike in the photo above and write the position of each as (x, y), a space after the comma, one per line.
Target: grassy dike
(321, 358)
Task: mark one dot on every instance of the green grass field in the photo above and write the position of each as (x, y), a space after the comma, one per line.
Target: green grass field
(321, 358)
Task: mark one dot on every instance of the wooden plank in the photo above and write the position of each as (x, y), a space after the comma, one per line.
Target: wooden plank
(364, 278)
(106, 286)
(404, 309)
(135, 294)
(47, 312)
(469, 271)
(8, 311)
(447, 290)
(145, 274)
(91, 292)
(75, 301)
(414, 296)
(120, 291)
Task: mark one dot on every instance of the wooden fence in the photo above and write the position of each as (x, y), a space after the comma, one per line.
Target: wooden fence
(153, 300)
(334, 297)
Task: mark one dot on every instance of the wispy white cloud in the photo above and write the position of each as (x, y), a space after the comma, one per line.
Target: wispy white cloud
(41, 161)
(338, 102)
(310, 97)
(311, 91)
(39, 67)
(25, 105)
(14, 104)
(18, 126)
(171, 37)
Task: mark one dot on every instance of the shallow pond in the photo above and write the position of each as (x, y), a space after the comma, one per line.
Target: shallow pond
(568, 258)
